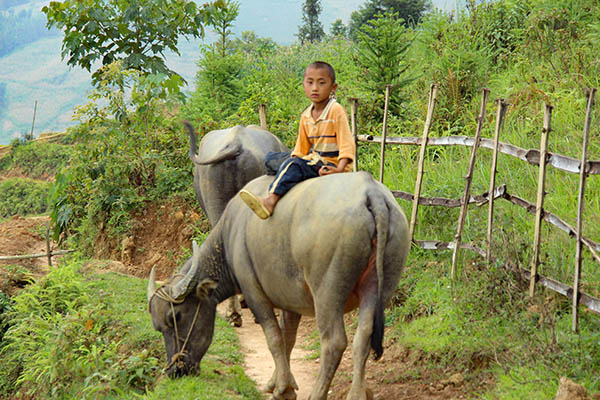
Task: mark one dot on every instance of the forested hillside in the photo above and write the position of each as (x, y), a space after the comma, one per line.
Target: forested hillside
(479, 336)
(41, 73)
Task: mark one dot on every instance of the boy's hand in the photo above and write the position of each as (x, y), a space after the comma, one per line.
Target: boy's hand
(328, 170)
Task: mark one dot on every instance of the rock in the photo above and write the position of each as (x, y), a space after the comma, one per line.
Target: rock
(194, 216)
(178, 216)
(127, 248)
(569, 390)
(456, 379)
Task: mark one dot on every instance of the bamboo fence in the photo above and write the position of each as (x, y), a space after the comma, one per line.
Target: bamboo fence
(540, 157)
(48, 254)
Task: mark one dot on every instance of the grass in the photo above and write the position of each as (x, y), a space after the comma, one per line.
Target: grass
(82, 334)
(23, 197)
(487, 324)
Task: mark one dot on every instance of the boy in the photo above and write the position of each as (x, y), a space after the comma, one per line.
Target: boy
(324, 146)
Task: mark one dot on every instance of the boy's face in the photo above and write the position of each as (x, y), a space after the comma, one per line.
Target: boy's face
(318, 84)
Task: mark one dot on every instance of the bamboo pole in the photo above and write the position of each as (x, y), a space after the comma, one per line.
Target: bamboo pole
(353, 115)
(540, 198)
(413, 217)
(48, 244)
(582, 176)
(388, 89)
(33, 120)
(262, 112)
(468, 179)
(37, 255)
(502, 107)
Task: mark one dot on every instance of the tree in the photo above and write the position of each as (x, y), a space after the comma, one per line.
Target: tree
(222, 21)
(338, 29)
(218, 87)
(410, 11)
(138, 32)
(380, 55)
(312, 30)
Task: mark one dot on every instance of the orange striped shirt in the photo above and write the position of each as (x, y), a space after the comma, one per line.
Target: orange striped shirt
(328, 138)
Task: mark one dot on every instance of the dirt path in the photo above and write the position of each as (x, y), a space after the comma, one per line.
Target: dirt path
(258, 361)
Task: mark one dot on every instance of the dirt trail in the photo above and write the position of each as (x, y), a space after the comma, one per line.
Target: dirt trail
(259, 364)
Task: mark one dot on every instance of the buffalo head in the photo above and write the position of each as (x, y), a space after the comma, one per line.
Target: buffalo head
(183, 310)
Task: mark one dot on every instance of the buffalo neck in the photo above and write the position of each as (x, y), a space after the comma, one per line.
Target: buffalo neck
(214, 266)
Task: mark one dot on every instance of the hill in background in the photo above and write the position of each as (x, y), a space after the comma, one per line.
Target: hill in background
(35, 71)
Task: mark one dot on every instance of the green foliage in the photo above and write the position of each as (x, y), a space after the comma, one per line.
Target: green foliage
(138, 33)
(500, 25)
(35, 159)
(338, 29)
(381, 47)
(77, 334)
(312, 29)
(6, 306)
(222, 21)
(409, 12)
(23, 197)
(129, 149)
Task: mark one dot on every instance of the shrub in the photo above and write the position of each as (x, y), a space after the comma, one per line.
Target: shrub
(23, 197)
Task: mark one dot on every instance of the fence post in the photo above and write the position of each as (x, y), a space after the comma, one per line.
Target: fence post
(540, 198)
(33, 120)
(417, 194)
(262, 113)
(582, 175)
(464, 205)
(502, 107)
(48, 244)
(388, 89)
(353, 112)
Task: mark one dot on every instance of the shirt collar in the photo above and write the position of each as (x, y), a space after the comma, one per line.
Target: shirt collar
(308, 112)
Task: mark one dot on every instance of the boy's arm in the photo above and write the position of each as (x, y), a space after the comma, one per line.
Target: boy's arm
(302, 144)
(327, 170)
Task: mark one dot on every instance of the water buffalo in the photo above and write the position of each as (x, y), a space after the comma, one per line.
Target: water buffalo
(334, 243)
(224, 162)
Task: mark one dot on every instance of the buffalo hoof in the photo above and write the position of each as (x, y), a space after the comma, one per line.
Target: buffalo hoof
(235, 319)
(289, 394)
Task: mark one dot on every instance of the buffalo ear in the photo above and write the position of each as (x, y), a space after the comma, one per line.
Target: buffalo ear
(205, 287)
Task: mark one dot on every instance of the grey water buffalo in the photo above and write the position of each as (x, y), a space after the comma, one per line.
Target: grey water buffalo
(225, 161)
(334, 243)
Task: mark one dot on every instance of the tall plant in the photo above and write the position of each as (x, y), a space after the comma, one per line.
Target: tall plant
(408, 12)
(137, 32)
(381, 57)
(312, 29)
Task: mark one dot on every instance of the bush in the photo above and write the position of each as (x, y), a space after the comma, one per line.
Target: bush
(66, 340)
(36, 160)
(23, 197)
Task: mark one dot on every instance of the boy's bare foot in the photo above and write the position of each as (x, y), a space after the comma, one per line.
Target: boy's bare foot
(255, 204)
(270, 201)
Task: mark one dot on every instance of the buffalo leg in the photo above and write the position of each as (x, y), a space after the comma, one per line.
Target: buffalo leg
(234, 311)
(289, 322)
(362, 338)
(284, 387)
(333, 343)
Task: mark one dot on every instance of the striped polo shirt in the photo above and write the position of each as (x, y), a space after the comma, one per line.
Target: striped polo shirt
(329, 137)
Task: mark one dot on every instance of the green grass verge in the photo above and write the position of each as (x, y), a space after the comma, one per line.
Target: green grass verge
(78, 334)
(486, 325)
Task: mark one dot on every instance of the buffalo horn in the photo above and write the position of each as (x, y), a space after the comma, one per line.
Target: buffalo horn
(230, 152)
(151, 285)
(184, 286)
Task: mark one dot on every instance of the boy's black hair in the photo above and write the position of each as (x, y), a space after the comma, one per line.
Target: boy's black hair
(324, 65)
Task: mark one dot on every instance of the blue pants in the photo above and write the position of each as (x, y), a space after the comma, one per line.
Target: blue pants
(293, 171)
